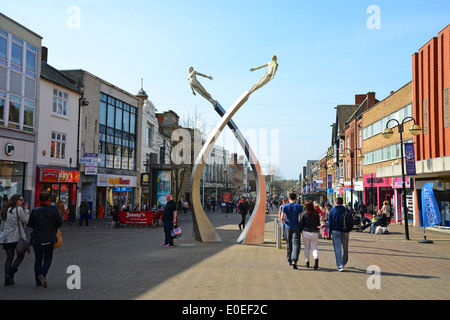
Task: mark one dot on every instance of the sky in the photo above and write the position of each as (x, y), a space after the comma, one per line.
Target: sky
(328, 51)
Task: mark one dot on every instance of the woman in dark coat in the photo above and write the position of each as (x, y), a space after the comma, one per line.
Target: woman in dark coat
(45, 220)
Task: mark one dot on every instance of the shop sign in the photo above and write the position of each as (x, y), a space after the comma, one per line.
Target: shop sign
(60, 176)
(138, 217)
(105, 180)
(410, 159)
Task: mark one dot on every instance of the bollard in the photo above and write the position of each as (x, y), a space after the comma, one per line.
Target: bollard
(278, 233)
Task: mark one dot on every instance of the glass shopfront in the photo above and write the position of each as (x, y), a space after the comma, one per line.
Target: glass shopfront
(12, 177)
(61, 184)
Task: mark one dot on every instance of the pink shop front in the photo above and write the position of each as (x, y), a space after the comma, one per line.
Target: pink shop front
(377, 190)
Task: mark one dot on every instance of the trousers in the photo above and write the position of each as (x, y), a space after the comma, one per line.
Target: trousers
(292, 243)
(310, 240)
(43, 260)
(340, 244)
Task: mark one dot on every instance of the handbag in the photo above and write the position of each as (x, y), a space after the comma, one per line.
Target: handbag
(22, 245)
(59, 243)
(176, 231)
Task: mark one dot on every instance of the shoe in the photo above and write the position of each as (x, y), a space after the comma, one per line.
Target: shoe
(169, 245)
(316, 264)
(341, 269)
(163, 244)
(307, 264)
(290, 263)
(43, 281)
(294, 265)
(9, 281)
(239, 226)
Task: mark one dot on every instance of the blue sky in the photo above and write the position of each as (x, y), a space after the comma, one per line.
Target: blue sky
(326, 55)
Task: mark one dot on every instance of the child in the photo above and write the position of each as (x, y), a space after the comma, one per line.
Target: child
(324, 227)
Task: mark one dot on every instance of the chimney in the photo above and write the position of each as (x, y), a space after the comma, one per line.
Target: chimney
(359, 98)
(44, 54)
(370, 99)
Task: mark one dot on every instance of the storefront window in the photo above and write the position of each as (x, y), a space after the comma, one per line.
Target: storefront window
(11, 178)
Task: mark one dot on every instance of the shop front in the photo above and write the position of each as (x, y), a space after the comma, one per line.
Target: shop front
(12, 178)
(377, 190)
(115, 190)
(441, 192)
(59, 182)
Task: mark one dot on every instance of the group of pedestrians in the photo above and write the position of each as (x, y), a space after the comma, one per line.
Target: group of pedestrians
(45, 221)
(307, 224)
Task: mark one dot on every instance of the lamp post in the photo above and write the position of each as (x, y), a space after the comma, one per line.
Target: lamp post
(388, 133)
(352, 155)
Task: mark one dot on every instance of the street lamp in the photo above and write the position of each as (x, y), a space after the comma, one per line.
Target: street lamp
(388, 133)
(352, 155)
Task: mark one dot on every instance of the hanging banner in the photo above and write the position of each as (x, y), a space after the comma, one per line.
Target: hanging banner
(410, 159)
(164, 184)
(430, 210)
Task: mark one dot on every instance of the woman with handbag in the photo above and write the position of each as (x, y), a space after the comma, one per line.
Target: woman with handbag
(45, 221)
(13, 236)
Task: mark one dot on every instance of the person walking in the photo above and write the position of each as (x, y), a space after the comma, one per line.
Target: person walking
(340, 238)
(45, 221)
(290, 217)
(12, 229)
(72, 212)
(309, 227)
(84, 212)
(169, 218)
(243, 209)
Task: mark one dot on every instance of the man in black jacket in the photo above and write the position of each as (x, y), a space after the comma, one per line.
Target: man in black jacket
(243, 209)
(169, 218)
(45, 221)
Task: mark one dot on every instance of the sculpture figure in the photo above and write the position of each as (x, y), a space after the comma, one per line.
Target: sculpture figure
(196, 86)
(269, 75)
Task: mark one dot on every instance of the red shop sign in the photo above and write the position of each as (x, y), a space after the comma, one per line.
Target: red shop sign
(60, 176)
(137, 217)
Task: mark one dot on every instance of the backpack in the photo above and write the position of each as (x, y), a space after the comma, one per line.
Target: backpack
(347, 221)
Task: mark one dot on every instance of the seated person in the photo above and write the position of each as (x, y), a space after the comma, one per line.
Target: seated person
(380, 220)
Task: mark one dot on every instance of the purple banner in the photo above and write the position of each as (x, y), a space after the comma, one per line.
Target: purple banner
(410, 159)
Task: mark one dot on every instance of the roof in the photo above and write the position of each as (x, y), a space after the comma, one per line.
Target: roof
(53, 75)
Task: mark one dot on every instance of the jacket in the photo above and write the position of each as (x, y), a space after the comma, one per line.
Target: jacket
(335, 218)
(310, 224)
(45, 221)
(243, 207)
(9, 229)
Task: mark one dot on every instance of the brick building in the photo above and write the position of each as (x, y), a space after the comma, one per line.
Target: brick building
(431, 82)
(382, 162)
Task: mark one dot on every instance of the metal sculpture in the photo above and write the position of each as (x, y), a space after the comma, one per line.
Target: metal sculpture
(253, 233)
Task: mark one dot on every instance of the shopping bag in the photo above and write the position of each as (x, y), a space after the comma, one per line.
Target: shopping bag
(59, 243)
(176, 231)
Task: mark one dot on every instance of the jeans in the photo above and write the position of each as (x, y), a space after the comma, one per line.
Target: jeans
(43, 260)
(340, 244)
(168, 233)
(292, 243)
(310, 240)
(84, 217)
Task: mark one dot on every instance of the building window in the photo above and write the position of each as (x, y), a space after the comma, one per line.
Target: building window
(58, 146)
(117, 138)
(149, 135)
(60, 102)
(14, 112)
(18, 73)
(2, 108)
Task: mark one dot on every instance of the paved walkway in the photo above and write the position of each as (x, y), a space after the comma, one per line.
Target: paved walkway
(128, 263)
(409, 270)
